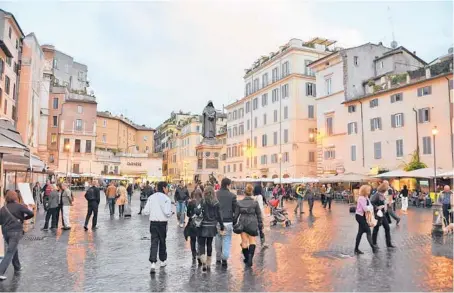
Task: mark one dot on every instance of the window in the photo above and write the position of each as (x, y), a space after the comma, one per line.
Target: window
(255, 161)
(285, 135)
(5, 109)
(77, 146)
(307, 69)
(228, 168)
(255, 122)
(104, 138)
(264, 100)
(310, 89)
(53, 138)
(104, 123)
(14, 92)
(275, 138)
(397, 98)
(55, 64)
(275, 95)
(329, 154)
(426, 145)
(76, 168)
(9, 32)
(248, 124)
(264, 80)
(397, 120)
(352, 128)
(274, 74)
(79, 124)
(248, 107)
(241, 113)
(264, 159)
(275, 115)
(264, 140)
(241, 167)
(256, 84)
(234, 115)
(311, 156)
(377, 150)
(241, 129)
(248, 142)
(373, 103)
(88, 146)
(229, 152)
(235, 131)
(54, 121)
(328, 86)
(375, 123)
(255, 141)
(351, 108)
(285, 93)
(229, 117)
(255, 103)
(399, 148)
(285, 69)
(310, 112)
(248, 89)
(286, 112)
(424, 91)
(329, 125)
(7, 84)
(424, 115)
(312, 134)
(286, 157)
(14, 113)
(55, 103)
(353, 152)
(273, 158)
(355, 60)
(264, 119)
(234, 167)
(51, 158)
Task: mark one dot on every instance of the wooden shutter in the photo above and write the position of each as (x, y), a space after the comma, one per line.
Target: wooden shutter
(393, 121)
(372, 124)
(420, 115)
(393, 98)
(402, 118)
(419, 92)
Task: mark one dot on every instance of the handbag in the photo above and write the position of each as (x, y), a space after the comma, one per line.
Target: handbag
(380, 214)
(196, 220)
(238, 227)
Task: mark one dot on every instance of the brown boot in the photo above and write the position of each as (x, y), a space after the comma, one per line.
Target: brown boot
(203, 259)
(208, 264)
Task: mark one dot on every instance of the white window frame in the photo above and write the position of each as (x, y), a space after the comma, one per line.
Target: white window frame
(328, 86)
(399, 148)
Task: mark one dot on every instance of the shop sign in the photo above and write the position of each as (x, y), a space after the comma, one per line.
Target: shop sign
(136, 164)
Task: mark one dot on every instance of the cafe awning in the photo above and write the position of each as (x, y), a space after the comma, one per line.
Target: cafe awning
(347, 177)
(424, 173)
(393, 174)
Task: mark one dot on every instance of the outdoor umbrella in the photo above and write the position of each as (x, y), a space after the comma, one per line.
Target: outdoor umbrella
(393, 174)
(424, 173)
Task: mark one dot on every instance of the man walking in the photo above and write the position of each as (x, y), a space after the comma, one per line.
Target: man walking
(46, 190)
(93, 198)
(52, 208)
(160, 210)
(299, 191)
(67, 201)
(329, 196)
(309, 194)
(445, 198)
(111, 193)
(181, 198)
(227, 204)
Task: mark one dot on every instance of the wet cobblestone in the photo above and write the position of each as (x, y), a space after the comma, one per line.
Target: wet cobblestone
(314, 254)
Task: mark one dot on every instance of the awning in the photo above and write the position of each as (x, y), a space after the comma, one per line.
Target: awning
(393, 174)
(424, 173)
(446, 174)
(347, 177)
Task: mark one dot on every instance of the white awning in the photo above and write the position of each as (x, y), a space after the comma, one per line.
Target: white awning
(393, 174)
(424, 173)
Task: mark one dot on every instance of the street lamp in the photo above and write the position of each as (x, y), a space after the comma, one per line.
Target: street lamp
(434, 133)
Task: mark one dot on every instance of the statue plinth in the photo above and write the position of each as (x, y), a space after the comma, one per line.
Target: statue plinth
(208, 156)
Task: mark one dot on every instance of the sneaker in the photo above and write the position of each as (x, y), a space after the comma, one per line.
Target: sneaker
(163, 264)
(45, 229)
(181, 225)
(2, 278)
(357, 251)
(153, 268)
(85, 228)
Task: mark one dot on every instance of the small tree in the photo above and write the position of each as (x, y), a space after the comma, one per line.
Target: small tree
(415, 163)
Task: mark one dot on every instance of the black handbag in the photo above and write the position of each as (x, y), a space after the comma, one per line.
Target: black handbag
(238, 227)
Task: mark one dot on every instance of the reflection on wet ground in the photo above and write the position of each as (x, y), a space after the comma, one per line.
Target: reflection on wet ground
(314, 254)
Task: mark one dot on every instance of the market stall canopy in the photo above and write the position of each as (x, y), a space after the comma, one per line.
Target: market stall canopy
(347, 177)
(295, 180)
(393, 174)
(446, 174)
(424, 173)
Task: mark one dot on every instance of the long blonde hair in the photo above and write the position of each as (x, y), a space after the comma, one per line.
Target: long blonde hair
(364, 190)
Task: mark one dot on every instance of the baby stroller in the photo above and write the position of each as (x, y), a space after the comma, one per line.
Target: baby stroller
(279, 215)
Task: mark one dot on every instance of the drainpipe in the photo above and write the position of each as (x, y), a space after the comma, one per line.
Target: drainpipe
(362, 132)
(417, 131)
(450, 124)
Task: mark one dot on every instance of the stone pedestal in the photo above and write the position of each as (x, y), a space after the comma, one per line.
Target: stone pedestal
(437, 219)
(208, 156)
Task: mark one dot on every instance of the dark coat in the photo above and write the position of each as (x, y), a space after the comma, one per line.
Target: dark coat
(227, 204)
(211, 216)
(181, 194)
(192, 210)
(249, 214)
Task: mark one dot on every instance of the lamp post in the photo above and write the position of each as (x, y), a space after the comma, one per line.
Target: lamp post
(434, 133)
(437, 218)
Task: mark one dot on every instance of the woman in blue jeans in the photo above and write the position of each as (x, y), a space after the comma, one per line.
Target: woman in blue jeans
(12, 217)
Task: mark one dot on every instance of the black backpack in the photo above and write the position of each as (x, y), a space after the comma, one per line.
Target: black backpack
(90, 195)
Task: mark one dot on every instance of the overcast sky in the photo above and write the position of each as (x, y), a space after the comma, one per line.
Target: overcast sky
(146, 59)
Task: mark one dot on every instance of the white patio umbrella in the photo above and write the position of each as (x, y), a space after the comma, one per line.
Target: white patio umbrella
(424, 173)
(393, 174)
(446, 174)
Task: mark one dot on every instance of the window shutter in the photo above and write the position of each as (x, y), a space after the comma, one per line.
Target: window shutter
(393, 121)
(419, 92)
(429, 90)
(372, 124)
(371, 104)
(349, 127)
(314, 90)
(420, 115)
(379, 123)
(402, 118)
(307, 89)
(428, 114)
(393, 98)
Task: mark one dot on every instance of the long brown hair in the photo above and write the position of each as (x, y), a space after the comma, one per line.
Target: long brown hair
(209, 195)
(248, 190)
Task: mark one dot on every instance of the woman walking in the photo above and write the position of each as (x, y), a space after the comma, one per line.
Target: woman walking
(194, 210)
(404, 195)
(12, 217)
(363, 208)
(379, 202)
(248, 216)
(121, 199)
(211, 216)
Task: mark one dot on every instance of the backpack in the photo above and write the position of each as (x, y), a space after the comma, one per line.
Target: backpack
(197, 219)
(90, 195)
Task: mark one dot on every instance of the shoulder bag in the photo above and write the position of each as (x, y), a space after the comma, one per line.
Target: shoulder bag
(238, 227)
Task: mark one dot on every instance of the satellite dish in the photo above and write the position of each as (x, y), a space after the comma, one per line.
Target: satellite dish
(394, 44)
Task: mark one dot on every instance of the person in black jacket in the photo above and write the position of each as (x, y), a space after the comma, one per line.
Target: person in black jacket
(211, 216)
(12, 217)
(249, 216)
(146, 192)
(93, 198)
(194, 209)
(227, 204)
(181, 198)
(378, 200)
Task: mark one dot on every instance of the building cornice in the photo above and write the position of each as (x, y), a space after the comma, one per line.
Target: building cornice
(329, 96)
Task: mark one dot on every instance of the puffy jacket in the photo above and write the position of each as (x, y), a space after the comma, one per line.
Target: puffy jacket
(249, 214)
(227, 204)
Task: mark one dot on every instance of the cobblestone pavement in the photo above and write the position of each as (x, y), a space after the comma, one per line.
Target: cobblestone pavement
(314, 254)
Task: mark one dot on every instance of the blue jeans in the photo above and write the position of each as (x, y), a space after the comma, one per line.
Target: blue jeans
(181, 210)
(299, 205)
(11, 254)
(224, 243)
(111, 202)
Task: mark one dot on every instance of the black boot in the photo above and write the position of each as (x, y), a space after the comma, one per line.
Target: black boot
(245, 254)
(251, 254)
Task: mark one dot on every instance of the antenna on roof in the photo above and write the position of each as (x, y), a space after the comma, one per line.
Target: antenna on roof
(390, 18)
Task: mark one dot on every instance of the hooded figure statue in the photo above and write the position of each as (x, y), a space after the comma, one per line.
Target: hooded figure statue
(209, 121)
